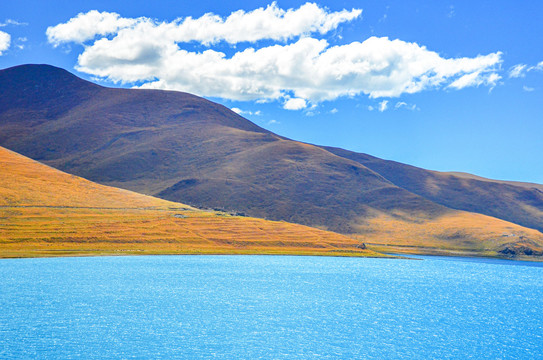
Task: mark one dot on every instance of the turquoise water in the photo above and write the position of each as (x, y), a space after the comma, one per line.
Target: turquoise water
(269, 307)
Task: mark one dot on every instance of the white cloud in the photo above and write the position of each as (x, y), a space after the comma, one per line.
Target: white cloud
(5, 41)
(304, 70)
(528, 89)
(370, 108)
(245, 112)
(517, 71)
(475, 79)
(271, 22)
(295, 104)
(20, 43)
(451, 12)
(520, 70)
(86, 26)
(383, 105)
(12, 22)
(334, 111)
(309, 68)
(402, 104)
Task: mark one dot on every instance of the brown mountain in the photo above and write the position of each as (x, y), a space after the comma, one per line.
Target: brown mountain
(518, 202)
(184, 148)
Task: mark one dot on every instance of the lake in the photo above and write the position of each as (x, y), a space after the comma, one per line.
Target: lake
(270, 307)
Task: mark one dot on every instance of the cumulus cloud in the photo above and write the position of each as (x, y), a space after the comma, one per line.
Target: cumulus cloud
(527, 88)
(86, 26)
(309, 68)
(5, 41)
(301, 71)
(295, 104)
(383, 105)
(271, 22)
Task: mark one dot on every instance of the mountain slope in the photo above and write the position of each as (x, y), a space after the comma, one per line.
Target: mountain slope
(45, 212)
(521, 203)
(187, 149)
(184, 148)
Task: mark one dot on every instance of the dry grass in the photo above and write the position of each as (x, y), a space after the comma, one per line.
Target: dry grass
(68, 231)
(25, 182)
(45, 212)
(458, 233)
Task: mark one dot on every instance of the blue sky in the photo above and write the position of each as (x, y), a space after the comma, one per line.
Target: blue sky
(445, 85)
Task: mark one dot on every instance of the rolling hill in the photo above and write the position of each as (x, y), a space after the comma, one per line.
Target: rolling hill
(183, 148)
(518, 202)
(46, 212)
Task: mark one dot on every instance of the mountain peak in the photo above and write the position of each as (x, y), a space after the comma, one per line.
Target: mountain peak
(34, 85)
(38, 74)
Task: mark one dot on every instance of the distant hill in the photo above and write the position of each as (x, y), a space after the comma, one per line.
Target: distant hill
(45, 212)
(518, 202)
(184, 148)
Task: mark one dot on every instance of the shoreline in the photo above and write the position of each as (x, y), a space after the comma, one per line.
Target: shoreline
(452, 253)
(96, 253)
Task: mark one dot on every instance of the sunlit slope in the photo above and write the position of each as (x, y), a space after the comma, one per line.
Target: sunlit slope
(45, 212)
(24, 182)
(459, 233)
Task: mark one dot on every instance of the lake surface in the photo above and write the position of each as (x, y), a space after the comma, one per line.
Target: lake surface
(269, 307)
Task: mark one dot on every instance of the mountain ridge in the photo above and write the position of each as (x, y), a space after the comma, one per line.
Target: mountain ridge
(521, 203)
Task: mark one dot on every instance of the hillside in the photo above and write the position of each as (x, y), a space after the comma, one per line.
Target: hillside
(184, 148)
(521, 203)
(45, 212)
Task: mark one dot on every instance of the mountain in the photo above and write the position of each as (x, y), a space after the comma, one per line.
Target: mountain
(46, 212)
(184, 148)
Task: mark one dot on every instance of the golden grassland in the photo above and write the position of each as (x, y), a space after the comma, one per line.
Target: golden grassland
(459, 233)
(67, 231)
(45, 212)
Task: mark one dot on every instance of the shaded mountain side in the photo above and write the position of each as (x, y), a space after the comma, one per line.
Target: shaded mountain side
(299, 183)
(46, 212)
(66, 116)
(519, 203)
